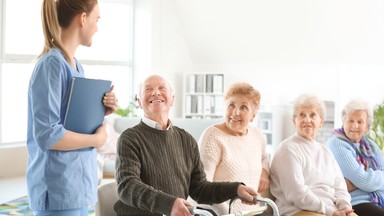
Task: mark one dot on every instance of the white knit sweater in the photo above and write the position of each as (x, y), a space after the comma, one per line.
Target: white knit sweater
(233, 158)
(305, 176)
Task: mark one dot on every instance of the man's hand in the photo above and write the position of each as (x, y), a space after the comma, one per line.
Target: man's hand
(180, 208)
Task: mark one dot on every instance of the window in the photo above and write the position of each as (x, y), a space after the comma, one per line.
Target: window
(21, 40)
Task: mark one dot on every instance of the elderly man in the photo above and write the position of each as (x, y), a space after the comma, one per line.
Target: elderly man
(158, 165)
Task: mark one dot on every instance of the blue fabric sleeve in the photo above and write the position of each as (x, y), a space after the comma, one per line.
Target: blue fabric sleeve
(368, 180)
(49, 86)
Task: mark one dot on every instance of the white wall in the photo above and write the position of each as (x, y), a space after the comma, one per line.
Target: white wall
(160, 46)
(360, 81)
(332, 48)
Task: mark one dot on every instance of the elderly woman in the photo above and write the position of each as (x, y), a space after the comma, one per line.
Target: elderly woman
(360, 159)
(234, 150)
(305, 177)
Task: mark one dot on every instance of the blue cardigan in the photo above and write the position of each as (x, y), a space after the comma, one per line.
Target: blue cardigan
(366, 181)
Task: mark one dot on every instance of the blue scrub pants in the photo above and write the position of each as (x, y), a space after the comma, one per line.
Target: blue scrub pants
(70, 212)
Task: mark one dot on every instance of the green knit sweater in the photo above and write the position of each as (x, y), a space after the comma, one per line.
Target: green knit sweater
(154, 167)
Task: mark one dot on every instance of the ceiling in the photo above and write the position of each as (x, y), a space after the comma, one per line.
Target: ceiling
(281, 31)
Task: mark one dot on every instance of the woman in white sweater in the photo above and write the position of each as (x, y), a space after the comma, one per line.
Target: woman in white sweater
(234, 150)
(305, 178)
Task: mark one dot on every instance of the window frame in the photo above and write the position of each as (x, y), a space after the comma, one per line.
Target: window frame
(27, 59)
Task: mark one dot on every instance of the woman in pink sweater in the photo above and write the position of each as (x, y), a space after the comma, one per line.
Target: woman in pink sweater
(234, 150)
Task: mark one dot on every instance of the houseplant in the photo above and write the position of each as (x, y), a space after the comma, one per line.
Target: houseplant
(377, 129)
(129, 111)
(124, 112)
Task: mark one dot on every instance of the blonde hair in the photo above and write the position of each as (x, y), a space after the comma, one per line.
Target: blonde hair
(58, 14)
(245, 89)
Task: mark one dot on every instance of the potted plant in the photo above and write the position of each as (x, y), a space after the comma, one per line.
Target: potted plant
(124, 112)
(129, 111)
(377, 129)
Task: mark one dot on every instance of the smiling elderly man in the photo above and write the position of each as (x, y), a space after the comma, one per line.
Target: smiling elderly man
(158, 165)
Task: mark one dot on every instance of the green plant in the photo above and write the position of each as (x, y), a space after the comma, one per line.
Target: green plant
(377, 129)
(124, 112)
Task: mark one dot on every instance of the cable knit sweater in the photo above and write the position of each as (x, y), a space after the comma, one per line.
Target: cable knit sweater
(305, 176)
(154, 167)
(367, 181)
(233, 158)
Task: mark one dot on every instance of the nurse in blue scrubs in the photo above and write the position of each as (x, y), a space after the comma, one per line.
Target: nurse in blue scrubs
(62, 169)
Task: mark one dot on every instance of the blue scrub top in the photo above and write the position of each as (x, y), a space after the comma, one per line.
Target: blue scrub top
(56, 180)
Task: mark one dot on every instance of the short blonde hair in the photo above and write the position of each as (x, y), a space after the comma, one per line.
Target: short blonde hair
(244, 89)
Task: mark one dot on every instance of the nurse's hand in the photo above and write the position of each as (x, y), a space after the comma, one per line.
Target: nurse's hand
(110, 101)
(101, 136)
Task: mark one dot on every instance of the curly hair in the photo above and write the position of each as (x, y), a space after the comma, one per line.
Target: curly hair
(245, 89)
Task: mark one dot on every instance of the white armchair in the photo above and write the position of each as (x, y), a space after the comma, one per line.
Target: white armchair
(107, 197)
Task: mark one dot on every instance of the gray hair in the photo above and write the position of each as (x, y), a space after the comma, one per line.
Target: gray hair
(308, 99)
(140, 87)
(358, 105)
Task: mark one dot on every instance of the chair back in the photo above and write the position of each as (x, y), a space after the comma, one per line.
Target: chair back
(107, 197)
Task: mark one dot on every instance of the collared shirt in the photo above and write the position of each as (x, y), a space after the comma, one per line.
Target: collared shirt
(156, 125)
(56, 180)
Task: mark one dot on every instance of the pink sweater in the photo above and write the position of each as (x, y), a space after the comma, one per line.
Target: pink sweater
(233, 158)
